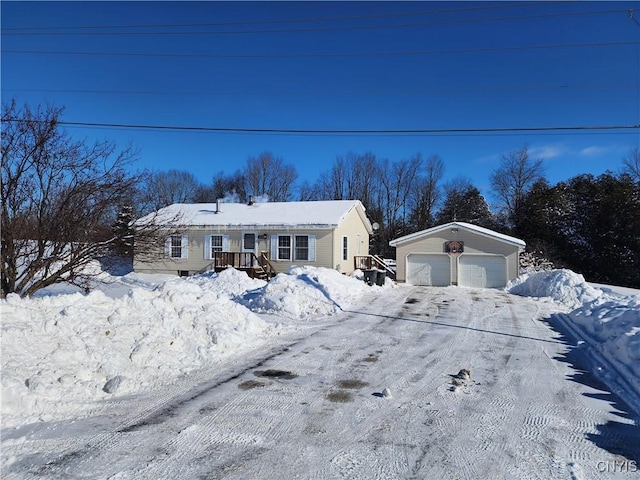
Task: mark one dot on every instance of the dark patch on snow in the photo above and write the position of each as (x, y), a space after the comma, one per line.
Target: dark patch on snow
(339, 396)
(275, 374)
(250, 384)
(371, 358)
(411, 300)
(170, 410)
(207, 409)
(352, 384)
(57, 465)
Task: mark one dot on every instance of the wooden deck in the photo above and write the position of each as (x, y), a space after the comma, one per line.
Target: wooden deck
(255, 266)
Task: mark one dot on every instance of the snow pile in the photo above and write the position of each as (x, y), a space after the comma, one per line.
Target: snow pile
(609, 322)
(306, 292)
(136, 332)
(614, 323)
(564, 286)
(81, 347)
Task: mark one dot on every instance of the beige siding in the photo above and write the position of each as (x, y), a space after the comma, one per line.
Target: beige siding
(357, 235)
(196, 261)
(473, 243)
(323, 249)
(328, 251)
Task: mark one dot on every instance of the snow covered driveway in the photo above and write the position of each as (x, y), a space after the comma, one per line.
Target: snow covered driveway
(313, 406)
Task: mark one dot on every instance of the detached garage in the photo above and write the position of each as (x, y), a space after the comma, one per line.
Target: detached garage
(457, 253)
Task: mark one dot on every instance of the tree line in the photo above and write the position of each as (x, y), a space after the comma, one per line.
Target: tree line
(65, 203)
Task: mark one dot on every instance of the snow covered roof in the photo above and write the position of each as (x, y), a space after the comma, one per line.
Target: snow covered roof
(461, 225)
(318, 214)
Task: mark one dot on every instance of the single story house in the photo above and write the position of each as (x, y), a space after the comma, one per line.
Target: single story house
(267, 237)
(457, 253)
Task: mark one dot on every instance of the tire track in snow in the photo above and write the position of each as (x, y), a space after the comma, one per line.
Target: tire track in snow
(425, 430)
(404, 458)
(81, 455)
(270, 401)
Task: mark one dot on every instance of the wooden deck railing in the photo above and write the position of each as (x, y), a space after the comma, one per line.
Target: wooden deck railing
(256, 267)
(370, 262)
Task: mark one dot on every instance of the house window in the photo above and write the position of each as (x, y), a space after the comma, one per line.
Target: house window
(302, 247)
(216, 244)
(345, 248)
(175, 246)
(284, 247)
(294, 247)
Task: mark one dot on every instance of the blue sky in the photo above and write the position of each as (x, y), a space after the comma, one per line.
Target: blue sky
(336, 66)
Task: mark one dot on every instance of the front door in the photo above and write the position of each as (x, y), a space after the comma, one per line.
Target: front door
(249, 244)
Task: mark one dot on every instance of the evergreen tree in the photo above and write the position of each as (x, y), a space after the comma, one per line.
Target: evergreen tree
(464, 203)
(124, 232)
(545, 211)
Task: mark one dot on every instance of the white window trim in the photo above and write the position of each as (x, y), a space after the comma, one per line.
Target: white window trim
(184, 247)
(275, 247)
(208, 254)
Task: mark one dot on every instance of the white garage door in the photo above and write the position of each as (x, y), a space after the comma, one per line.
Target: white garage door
(482, 271)
(428, 269)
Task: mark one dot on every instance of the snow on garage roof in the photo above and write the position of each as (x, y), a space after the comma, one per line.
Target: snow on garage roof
(318, 214)
(466, 226)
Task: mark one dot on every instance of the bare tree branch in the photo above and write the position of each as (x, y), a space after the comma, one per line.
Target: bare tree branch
(512, 181)
(631, 163)
(60, 199)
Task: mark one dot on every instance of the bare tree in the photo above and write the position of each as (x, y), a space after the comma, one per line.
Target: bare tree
(270, 176)
(425, 193)
(631, 163)
(352, 177)
(308, 192)
(229, 188)
(60, 200)
(396, 180)
(512, 181)
(173, 186)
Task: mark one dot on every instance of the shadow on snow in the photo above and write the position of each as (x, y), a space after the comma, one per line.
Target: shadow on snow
(618, 438)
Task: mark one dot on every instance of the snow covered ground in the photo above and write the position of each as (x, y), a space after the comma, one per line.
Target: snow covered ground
(151, 340)
(133, 333)
(607, 319)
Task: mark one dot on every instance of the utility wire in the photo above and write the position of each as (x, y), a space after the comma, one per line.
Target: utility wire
(359, 92)
(289, 21)
(326, 54)
(316, 29)
(346, 132)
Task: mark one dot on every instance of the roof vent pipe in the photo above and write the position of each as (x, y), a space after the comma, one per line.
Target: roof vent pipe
(250, 199)
(218, 205)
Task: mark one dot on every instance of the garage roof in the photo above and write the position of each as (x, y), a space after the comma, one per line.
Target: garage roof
(461, 225)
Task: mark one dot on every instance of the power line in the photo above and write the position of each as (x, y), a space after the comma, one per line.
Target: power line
(348, 131)
(316, 29)
(326, 54)
(359, 92)
(289, 21)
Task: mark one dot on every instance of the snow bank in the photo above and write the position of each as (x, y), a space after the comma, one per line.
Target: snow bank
(136, 332)
(80, 347)
(564, 286)
(615, 324)
(306, 292)
(608, 321)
